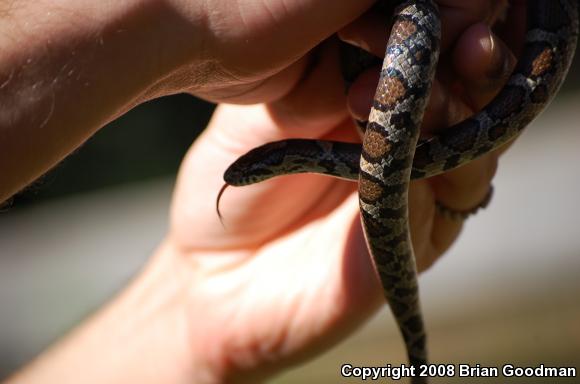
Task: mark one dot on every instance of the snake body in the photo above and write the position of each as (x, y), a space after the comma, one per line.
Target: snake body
(391, 155)
(388, 149)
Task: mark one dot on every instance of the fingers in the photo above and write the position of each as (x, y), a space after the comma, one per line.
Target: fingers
(483, 63)
(361, 93)
(368, 31)
(310, 110)
(254, 37)
(467, 79)
(469, 61)
(460, 190)
(317, 102)
(474, 72)
(512, 27)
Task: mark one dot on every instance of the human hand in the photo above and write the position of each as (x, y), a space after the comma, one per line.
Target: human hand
(290, 274)
(254, 51)
(72, 77)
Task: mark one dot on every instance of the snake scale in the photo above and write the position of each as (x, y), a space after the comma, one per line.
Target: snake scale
(391, 153)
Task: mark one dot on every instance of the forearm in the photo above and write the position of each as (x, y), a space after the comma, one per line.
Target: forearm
(140, 337)
(68, 67)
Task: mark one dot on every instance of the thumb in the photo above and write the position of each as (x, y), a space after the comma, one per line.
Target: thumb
(278, 32)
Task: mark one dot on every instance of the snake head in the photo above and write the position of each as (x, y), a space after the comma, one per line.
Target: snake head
(257, 165)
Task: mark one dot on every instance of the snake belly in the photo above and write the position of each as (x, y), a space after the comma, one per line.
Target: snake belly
(382, 165)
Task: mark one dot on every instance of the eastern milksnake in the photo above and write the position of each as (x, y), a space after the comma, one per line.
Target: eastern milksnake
(391, 155)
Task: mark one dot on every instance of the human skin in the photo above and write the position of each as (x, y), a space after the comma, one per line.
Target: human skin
(68, 67)
(290, 275)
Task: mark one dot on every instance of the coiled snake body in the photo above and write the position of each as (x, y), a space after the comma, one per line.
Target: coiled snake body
(390, 154)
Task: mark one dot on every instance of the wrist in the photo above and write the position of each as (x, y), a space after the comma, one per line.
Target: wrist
(139, 337)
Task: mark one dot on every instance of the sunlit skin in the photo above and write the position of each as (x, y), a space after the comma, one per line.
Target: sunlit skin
(290, 274)
(292, 260)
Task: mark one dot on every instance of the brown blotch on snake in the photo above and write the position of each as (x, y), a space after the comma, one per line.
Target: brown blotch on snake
(542, 63)
(370, 190)
(390, 91)
(405, 29)
(378, 144)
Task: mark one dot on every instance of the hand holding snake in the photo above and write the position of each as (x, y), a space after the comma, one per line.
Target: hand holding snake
(290, 277)
(391, 155)
(262, 220)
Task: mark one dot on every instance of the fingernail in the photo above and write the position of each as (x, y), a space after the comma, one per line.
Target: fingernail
(502, 62)
(358, 43)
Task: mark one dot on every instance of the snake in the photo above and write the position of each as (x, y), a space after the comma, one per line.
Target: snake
(392, 152)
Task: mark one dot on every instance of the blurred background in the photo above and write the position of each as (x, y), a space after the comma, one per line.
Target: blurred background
(506, 293)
